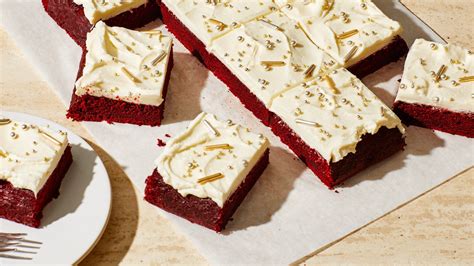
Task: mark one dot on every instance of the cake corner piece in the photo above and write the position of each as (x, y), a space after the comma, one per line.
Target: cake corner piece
(437, 88)
(204, 173)
(117, 87)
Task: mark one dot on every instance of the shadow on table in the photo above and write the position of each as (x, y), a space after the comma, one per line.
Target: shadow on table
(269, 193)
(188, 79)
(73, 186)
(123, 222)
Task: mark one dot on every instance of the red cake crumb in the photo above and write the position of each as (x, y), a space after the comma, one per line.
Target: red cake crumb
(91, 108)
(436, 118)
(21, 205)
(161, 143)
(167, 135)
(70, 16)
(198, 210)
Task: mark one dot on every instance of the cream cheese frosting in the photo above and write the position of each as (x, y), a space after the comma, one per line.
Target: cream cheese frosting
(96, 10)
(331, 113)
(452, 89)
(125, 65)
(207, 148)
(29, 153)
(349, 30)
(210, 19)
(271, 54)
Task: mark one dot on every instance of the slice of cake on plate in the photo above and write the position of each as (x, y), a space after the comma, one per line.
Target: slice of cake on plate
(77, 17)
(33, 162)
(336, 125)
(204, 173)
(437, 88)
(123, 76)
(354, 32)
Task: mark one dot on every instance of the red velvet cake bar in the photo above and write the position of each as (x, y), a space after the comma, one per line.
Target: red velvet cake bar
(123, 77)
(205, 173)
(437, 88)
(77, 17)
(33, 162)
(262, 58)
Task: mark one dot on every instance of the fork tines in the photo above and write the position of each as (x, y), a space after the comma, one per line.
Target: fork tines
(13, 243)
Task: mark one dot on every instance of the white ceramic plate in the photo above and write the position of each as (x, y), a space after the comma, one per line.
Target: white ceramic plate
(74, 222)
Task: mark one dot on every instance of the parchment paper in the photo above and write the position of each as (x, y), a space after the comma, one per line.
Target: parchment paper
(289, 213)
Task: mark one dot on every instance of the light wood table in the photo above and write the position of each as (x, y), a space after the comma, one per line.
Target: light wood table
(437, 227)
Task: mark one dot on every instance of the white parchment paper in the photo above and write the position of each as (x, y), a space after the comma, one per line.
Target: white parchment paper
(288, 213)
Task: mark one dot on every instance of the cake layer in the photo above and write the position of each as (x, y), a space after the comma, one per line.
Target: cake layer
(442, 119)
(349, 30)
(203, 211)
(29, 153)
(369, 150)
(210, 148)
(70, 16)
(22, 205)
(125, 65)
(91, 108)
(438, 75)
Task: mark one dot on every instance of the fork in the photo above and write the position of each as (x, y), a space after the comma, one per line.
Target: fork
(13, 243)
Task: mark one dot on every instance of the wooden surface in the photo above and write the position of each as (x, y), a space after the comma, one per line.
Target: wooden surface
(437, 227)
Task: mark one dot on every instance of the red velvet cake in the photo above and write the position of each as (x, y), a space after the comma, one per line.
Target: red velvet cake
(205, 173)
(33, 163)
(70, 15)
(267, 55)
(437, 88)
(125, 86)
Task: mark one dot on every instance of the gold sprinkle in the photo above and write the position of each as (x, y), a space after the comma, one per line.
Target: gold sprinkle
(221, 24)
(307, 122)
(440, 72)
(130, 76)
(466, 79)
(271, 24)
(159, 58)
(211, 128)
(3, 154)
(272, 63)
(218, 146)
(50, 137)
(351, 53)
(309, 72)
(5, 121)
(347, 34)
(152, 32)
(210, 178)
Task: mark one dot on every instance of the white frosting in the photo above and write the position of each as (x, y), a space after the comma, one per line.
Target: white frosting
(418, 84)
(209, 19)
(343, 108)
(96, 10)
(185, 158)
(244, 49)
(27, 156)
(112, 52)
(324, 20)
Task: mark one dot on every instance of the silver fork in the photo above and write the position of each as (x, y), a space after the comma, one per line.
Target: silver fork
(17, 246)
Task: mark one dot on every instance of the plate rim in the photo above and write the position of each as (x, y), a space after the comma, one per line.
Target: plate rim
(98, 237)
